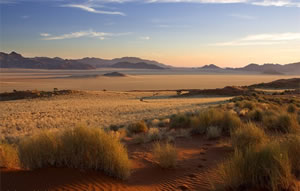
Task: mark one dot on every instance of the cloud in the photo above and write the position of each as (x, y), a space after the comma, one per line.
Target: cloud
(90, 9)
(262, 39)
(242, 16)
(144, 37)
(44, 34)
(89, 33)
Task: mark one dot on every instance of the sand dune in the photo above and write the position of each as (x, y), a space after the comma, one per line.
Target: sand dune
(195, 171)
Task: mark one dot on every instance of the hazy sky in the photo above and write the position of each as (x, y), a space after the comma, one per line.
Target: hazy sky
(176, 32)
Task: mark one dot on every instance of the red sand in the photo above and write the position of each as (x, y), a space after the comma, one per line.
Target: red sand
(197, 160)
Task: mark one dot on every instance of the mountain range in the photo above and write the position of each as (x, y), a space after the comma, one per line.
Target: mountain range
(15, 60)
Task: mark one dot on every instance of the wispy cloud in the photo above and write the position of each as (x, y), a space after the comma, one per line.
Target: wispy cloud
(44, 34)
(144, 37)
(262, 39)
(89, 33)
(90, 9)
(242, 16)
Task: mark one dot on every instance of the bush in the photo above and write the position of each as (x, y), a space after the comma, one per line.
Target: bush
(268, 168)
(247, 136)
(9, 156)
(180, 121)
(165, 154)
(248, 105)
(291, 108)
(139, 127)
(213, 132)
(255, 115)
(283, 123)
(80, 147)
(292, 146)
(225, 120)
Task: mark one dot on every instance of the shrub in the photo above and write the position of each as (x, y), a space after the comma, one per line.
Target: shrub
(213, 132)
(139, 127)
(283, 123)
(180, 121)
(40, 150)
(9, 156)
(292, 146)
(230, 122)
(80, 147)
(225, 120)
(165, 154)
(248, 105)
(255, 115)
(268, 168)
(291, 108)
(154, 134)
(247, 136)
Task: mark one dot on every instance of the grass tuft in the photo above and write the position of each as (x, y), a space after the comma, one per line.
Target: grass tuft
(165, 154)
(9, 156)
(268, 168)
(249, 135)
(81, 147)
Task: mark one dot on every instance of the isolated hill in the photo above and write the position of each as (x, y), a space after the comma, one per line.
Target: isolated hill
(293, 83)
(210, 67)
(15, 60)
(114, 74)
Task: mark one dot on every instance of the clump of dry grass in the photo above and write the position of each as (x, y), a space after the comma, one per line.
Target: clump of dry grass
(282, 122)
(249, 135)
(291, 108)
(165, 154)
(267, 168)
(139, 127)
(292, 146)
(213, 132)
(214, 117)
(180, 121)
(81, 147)
(255, 115)
(9, 156)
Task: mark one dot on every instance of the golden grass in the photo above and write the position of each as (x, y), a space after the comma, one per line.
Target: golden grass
(98, 109)
(9, 156)
(165, 154)
(138, 127)
(249, 135)
(267, 168)
(292, 146)
(81, 147)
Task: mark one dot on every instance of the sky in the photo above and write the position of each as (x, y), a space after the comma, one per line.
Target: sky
(187, 33)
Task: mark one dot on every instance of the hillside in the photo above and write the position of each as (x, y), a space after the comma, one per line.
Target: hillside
(293, 83)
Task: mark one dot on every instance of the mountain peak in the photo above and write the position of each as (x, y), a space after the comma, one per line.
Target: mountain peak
(14, 54)
(211, 66)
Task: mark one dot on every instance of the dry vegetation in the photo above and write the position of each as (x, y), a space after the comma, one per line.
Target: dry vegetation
(97, 109)
(264, 131)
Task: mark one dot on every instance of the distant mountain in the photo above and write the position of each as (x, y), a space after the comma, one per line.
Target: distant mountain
(293, 68)
(15, 60)
(210, 67)
(139, 65)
